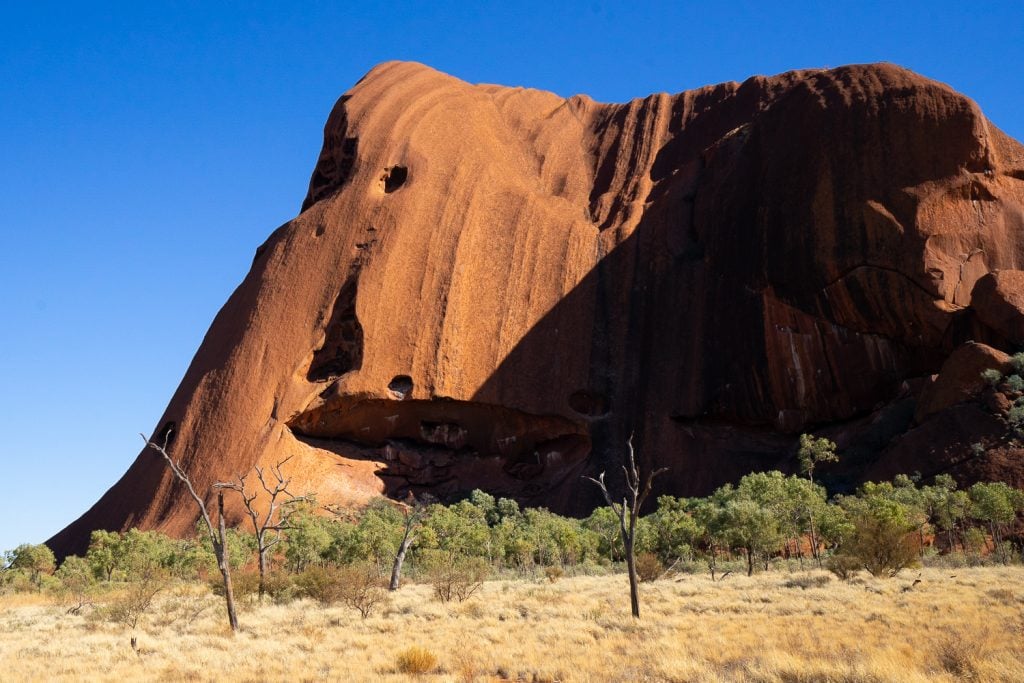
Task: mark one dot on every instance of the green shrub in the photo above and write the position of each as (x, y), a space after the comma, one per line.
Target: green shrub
(882, 545)
(322, 584)
(992, 376)
(32, 561)
(1017, 361)
(844, 566)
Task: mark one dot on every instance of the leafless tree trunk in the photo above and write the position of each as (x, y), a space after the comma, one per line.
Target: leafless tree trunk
(414, 512)
(403, 548)
(224, 564)
(815, 551)
(268, 527)
(628, 512)
(218, 536)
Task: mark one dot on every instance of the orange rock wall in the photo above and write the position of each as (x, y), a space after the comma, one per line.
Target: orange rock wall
(493, 287)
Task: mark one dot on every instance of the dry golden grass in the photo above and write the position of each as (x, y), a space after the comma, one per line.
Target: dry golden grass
(959, 624)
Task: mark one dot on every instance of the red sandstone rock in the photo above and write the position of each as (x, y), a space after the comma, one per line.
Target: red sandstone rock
(521, 281)
(960, 378)
(998, 299)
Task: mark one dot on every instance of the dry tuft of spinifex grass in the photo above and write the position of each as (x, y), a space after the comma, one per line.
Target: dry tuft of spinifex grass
(963, 624)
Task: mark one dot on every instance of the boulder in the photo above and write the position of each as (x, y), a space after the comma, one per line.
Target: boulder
(998, 299)
(960, 378)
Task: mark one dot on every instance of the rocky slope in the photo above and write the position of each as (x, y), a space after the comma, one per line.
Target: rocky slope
(493, 287)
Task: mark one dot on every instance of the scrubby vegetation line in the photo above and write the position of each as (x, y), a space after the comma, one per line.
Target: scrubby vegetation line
(767, 519)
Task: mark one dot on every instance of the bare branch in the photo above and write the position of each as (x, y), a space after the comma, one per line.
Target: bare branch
(630, 512)
(180, 474)
(649, 484)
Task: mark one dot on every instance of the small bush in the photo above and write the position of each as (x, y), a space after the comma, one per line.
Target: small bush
(415, 661)
(992, 376)
(648, 567)
(76, 583)
(184, 606)
(806, 581)
(281, 588)
(361, 588)
(129, 608)
(882, 545)
(554, 573)
(844, 566)
(243, 584)
(355, 586)
(456, 577)
(975, 541)
(1017, 361)
(322, 584)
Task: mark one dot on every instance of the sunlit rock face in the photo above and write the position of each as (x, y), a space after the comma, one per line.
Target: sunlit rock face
(493, 287)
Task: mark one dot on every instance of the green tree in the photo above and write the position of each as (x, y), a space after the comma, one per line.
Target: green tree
(605, 524)
(996, 504)
(710, 516)
(674, 530)
(555, 539)
(379, 532)
(812, 451)
(33, 561)
(103, 553)
(882, 534)
(413, 512)
(310, 538)
(946, 507)
(751, 527)
(459, 529)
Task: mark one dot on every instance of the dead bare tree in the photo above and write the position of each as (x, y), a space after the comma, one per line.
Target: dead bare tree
(414, 512)
(218, 535)
(269, 525)
(628, 512)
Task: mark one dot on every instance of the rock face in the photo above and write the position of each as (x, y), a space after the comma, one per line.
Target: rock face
(493, 287)
(960, 378)
(998, 299)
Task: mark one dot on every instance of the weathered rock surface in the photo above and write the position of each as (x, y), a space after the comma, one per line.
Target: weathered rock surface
(998, 299)
(960, 378)
(493, 287)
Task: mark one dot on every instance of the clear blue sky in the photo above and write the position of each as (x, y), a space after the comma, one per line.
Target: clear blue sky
(146, 150)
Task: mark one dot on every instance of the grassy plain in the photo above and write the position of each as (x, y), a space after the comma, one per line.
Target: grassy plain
(954, 624)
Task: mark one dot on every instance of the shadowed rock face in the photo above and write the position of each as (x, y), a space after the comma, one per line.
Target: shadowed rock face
(493, 287)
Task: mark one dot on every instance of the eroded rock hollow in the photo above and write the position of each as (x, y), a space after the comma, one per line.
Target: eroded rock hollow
(494, 287)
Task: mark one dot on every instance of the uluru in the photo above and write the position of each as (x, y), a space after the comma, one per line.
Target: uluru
(494, 288)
